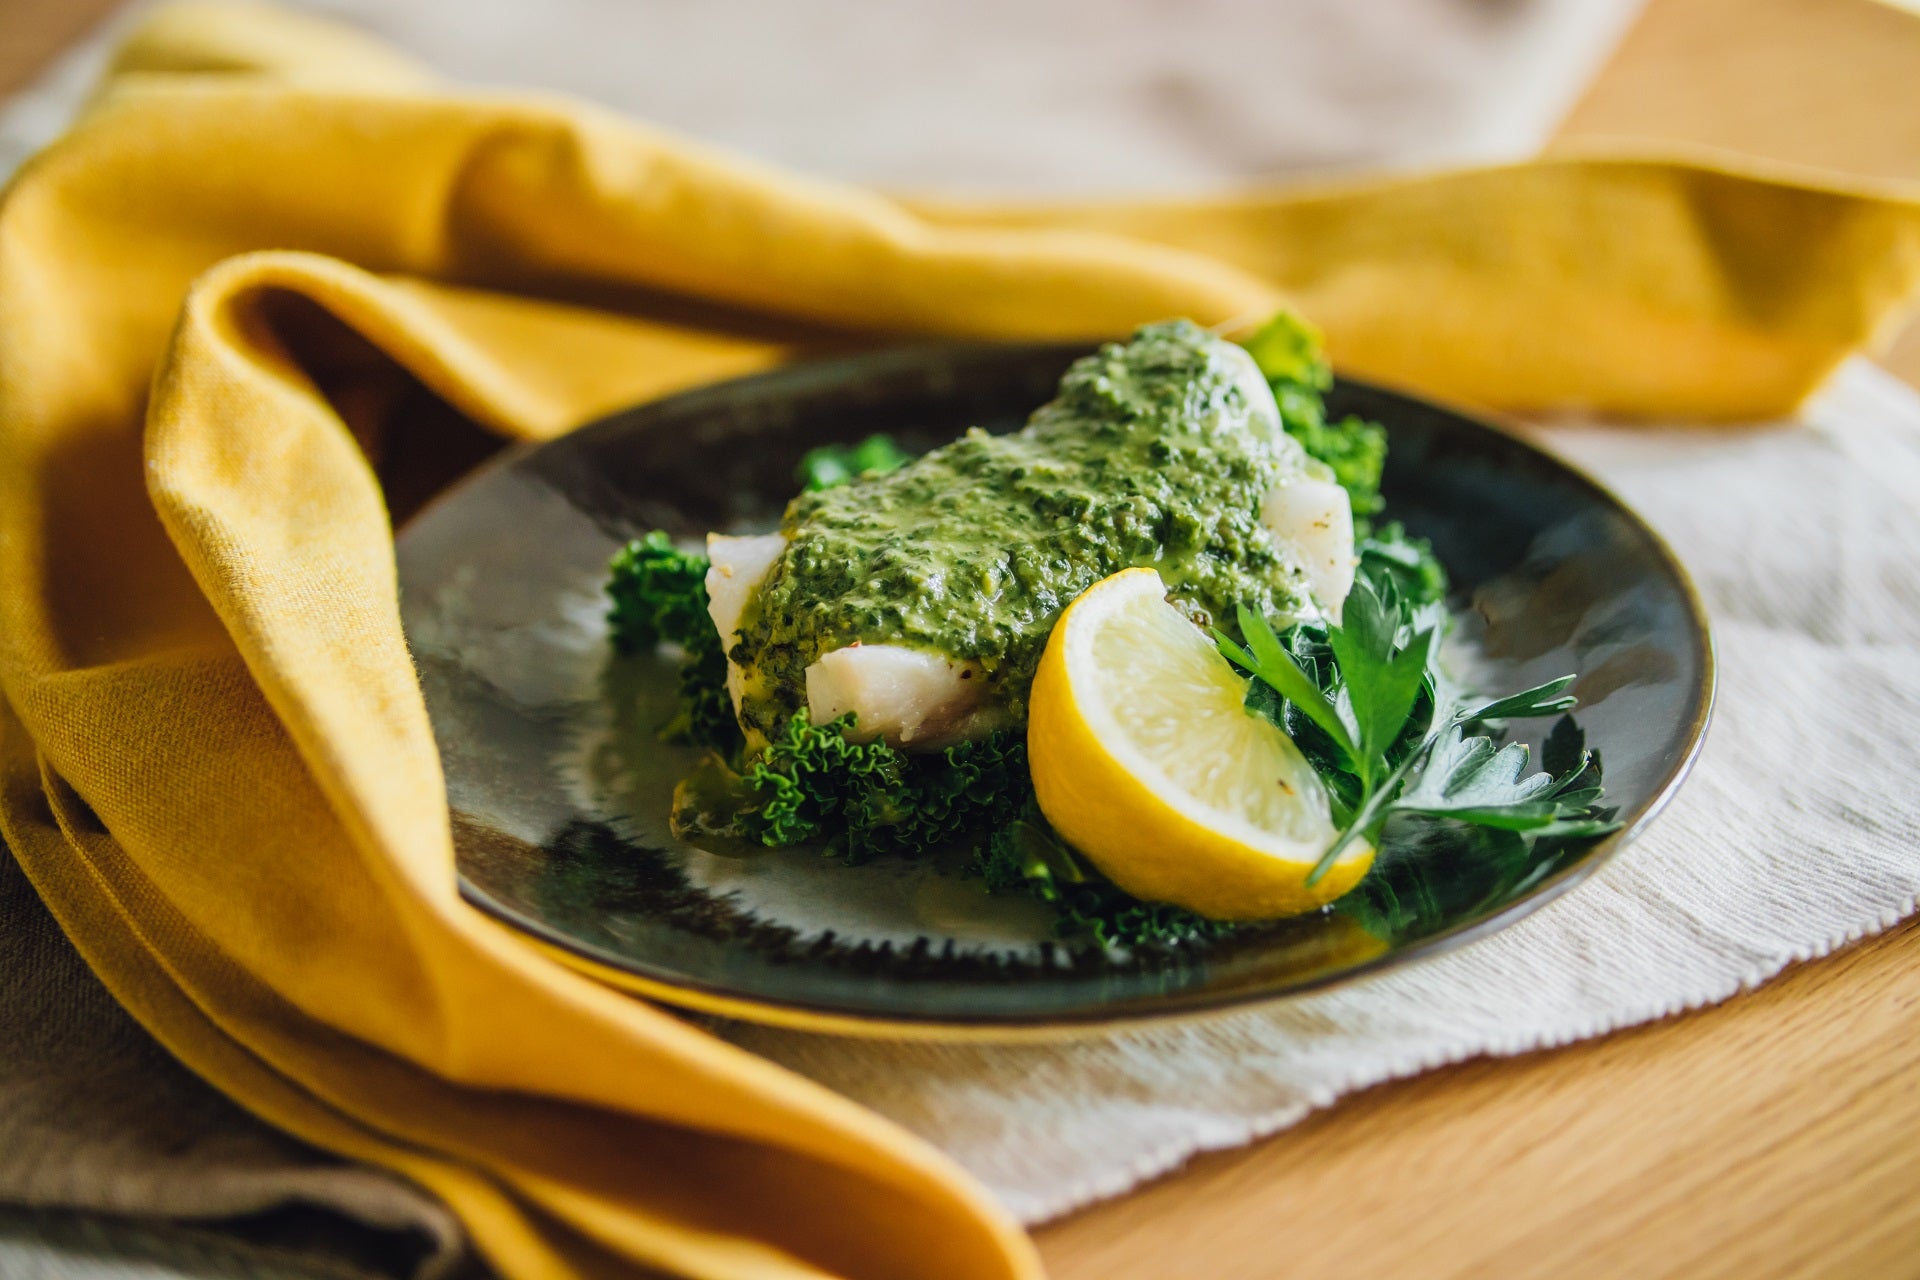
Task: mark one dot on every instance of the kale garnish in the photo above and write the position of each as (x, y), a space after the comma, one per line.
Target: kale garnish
(863, 799)
(832, 465)
(1024, 855)
(1287, 349)
(656, 593)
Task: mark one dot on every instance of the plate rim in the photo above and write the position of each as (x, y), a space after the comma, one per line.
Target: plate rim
(697, 996)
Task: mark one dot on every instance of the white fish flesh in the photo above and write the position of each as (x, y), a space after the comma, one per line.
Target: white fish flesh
(1314, 520)
(907, 696)
(736, 568)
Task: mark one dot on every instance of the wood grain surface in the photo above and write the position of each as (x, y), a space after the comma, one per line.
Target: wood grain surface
(34, 32)
(1775, 1136)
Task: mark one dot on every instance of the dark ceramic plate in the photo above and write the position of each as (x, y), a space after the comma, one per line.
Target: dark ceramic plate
(560, 790)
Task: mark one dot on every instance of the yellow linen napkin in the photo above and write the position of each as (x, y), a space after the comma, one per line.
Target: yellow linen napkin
(215, 764)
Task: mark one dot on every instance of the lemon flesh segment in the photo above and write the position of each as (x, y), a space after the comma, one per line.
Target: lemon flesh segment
(1146, 759)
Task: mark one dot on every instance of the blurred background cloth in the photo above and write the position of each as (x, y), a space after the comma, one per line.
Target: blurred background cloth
(1028, 97)
(1035, 97)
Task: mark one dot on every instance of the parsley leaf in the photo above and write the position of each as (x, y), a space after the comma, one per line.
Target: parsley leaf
(1276, 668)
(1470, 780)
(1540, 700)
(1399, 729)
(1383, 676)
(1391, 554)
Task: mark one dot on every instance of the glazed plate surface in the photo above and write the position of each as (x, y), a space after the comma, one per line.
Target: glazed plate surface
(559, 787)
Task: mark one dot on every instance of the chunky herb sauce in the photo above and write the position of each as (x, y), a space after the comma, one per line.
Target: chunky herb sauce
(1157, 452)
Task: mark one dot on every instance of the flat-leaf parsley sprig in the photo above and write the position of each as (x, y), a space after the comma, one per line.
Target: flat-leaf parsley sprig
(1398, 727)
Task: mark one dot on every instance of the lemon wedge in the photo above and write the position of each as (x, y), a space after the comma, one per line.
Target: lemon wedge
(1145, 759)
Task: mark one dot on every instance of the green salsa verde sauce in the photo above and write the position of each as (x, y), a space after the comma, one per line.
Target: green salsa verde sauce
(1157, 452)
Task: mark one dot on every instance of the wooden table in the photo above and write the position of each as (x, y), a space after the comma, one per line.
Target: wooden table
(1777, 1135)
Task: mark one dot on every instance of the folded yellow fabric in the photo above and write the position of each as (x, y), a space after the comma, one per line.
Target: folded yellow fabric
(215, 764)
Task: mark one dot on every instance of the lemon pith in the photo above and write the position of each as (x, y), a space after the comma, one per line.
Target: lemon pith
(1146, 761)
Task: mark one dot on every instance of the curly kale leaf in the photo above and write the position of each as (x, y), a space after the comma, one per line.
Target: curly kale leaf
(864, 799)
(1356, 450)
(811, 781)
(1288, 351)
(656, 593)
(1024, 855)
(704, 716)
(835, 464)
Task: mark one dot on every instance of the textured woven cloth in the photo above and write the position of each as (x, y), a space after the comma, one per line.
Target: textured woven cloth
(94, 1115)
(1798, 832)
